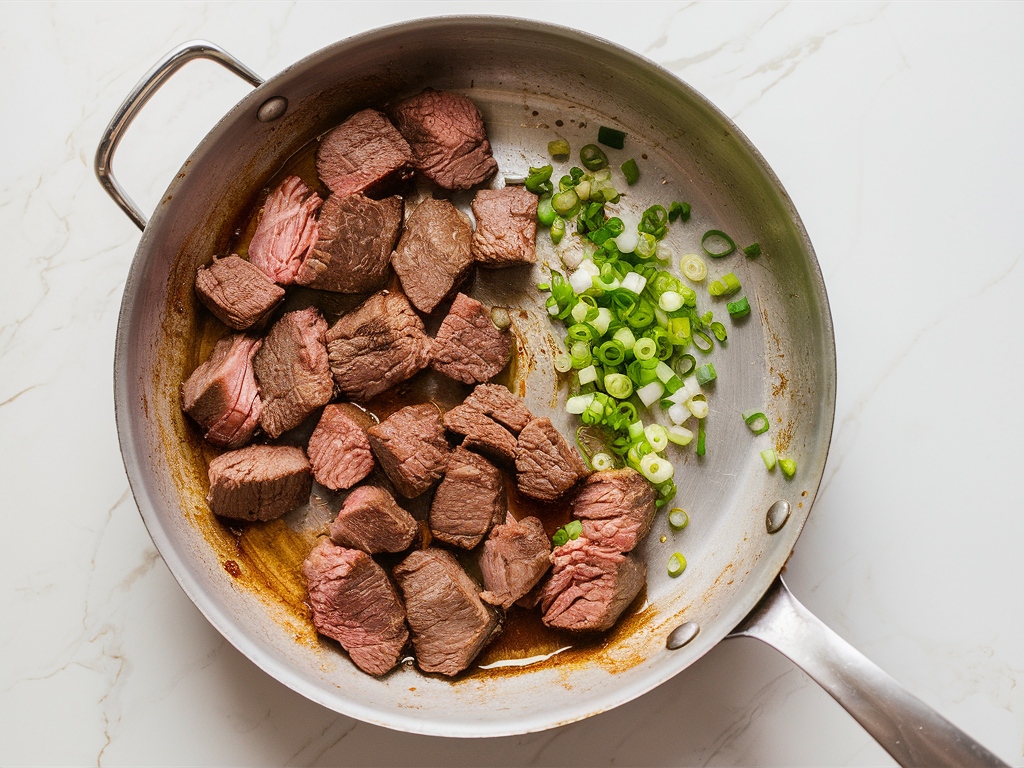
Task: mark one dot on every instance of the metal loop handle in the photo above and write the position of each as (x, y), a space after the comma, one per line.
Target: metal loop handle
(143, 92)
(909, 730)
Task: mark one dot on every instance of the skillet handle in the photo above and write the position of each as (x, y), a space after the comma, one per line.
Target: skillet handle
(140, 94)
(908, 729)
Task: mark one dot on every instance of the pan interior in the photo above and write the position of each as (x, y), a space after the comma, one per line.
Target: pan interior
(532, 83)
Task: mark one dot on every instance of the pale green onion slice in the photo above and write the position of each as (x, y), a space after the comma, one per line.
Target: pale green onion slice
(588, 374)
(676, 565)
(788, 467)
(625, 337)
(563, 363)
(679, 435)
(651, 393)
(645, 348)
(665, 252)
(602, 321)
(664, 372)
(678, 413)
(602, 461)
(627, 241)
(657, 436)
(636, 430)
(646, 247)
(634, 282)
(693, 267)
(670, 301)
(769, 458)
(581, 280)
(678, 519)
(580, 311)
(618, 385)
(578, 403)
(698, 407)
(583, 190)
(656, 469)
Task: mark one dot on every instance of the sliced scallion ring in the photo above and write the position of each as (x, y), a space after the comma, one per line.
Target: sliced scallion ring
(678, 519)
(713, 234)
(602, 461)
(788, 467)
(655, 468)
(707, 344)
(693, 267)
(757, 421)
(676, 565)
(769, 458)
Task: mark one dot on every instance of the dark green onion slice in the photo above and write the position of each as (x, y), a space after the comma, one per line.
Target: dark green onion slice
(705, 339)
(566, 203)
(706, 373)
(539, 179)
(558, 147)
(557, 230)
(788, 467)
(700, 437)
(678, 211)
(683, 372)
(739, 308)
(545, 213)
(593, 157)
(719, 330)
(717, 233)
(757, 421)
(630, 171)
(726, 285)
(752, 250)
(611, 137)
(678, 519)
(676, 565)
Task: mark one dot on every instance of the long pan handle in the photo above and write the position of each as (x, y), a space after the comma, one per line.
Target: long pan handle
(143, 92)
(909, 730)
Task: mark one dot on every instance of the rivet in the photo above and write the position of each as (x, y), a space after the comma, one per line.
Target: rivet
(682, 635)
(272, 109)
(778, 514)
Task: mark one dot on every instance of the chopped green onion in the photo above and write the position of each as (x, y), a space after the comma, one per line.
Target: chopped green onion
(657, 436)
(676, 565)
(713, 234)
(706, 373)
(588, 374)
(739, 308)
(566, 203)
(634, 282)
(558, 147)
(630, 171)
(679, 211)
(618, 385)
(557, 230)
(678, 519)
(650, 393)
(700, 438)
(671, 301)
(636, 430)
(563, 363)
(757, 421)
(727, 285)
(788, 467)
(655, 468)
(626, 338)
(705, 339)
(593, 158)
(698, 406)
(719, 330)
(752, 250)
(545, 213)
(500, 318)
(602, 461)
(646, 246)
(645, 348)
(560, 538)
(693, 267)
(769, 458)
(686, 371)
(611, 137)
(539, 180)
(679, 435)
(567, 532)
(611, 352)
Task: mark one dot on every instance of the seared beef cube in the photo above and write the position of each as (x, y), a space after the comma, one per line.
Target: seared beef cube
(362, 153)
(354, 602)
(516, 555)
(616, 508)
(411, 448)
(353, 250)
(470, 500)
(221, 394)
(286, 231)
(449, 622)
(259, 482)
(237, 293)
(370, 520)
(379, 344)
(547, 466)
(506, 227)
(447, 136)
(501, 405)
(293, 372)
(482, 433)
(590, 585)
(468, 347)
(339, 448)
(434, 254)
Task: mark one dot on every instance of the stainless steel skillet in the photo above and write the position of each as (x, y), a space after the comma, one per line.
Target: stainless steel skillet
(531, 82)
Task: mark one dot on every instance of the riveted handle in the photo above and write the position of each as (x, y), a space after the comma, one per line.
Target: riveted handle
(143, 92)
(909, 730)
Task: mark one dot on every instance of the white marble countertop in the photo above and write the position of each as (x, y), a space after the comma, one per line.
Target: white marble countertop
(895, 127)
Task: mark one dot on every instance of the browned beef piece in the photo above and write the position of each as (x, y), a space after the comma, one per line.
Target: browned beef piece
(469, 501)
(547, 466)
(590, 585)
(447, 136)
(468, 347)
(370, 520)
(506, 227)
(482, 433)
(363, 153)
(449, 622)
(286, 231)
(379, 344)
(434, 254)
(353, 251)
(221, 394)
(339, 448)
(516, 555)
(411, 448)
(292, 370)
(259, 482)
(616, 508)
(354, 602)
(501, 405)
(237, 293)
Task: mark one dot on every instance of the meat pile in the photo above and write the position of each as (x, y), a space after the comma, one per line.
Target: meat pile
(379, 578)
